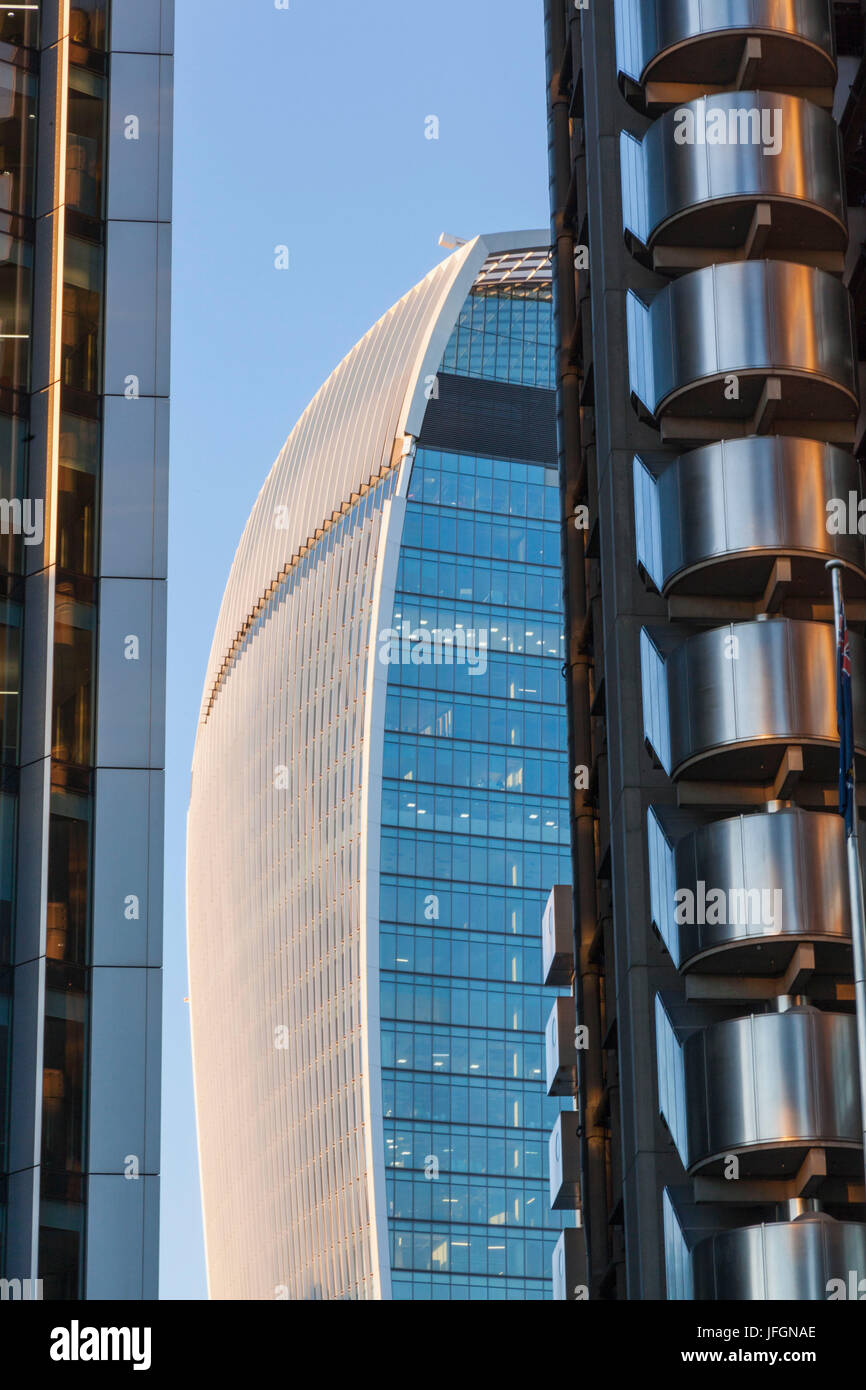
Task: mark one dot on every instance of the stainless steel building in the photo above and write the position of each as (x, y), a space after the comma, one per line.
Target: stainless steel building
(379, 796)
(707, 197)
(85, 207)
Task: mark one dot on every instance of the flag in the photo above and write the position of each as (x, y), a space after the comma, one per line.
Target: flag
(845, 720)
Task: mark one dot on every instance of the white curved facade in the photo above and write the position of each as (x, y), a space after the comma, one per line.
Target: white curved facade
(284, 827)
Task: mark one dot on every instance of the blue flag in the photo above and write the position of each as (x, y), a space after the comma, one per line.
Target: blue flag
(845, 722)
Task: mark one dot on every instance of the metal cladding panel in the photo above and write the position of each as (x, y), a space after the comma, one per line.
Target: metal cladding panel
(125, 1033)
(127, 875)
(764, 1080)
(765, 493)
(569, 1266)
(134, 163)
(122, 1238)
(564, 1162)
(274, 874)
(130, 722)
(744, 317)
(780, 686)
(138, 312)
(813, 1258)
(560, 1048)
(557, 937)
(134, 486)
(142, 26)
(798, 854)
(664, 178)
(647, 30)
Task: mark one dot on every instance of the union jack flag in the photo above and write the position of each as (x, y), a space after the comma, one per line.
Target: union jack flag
(845, 722)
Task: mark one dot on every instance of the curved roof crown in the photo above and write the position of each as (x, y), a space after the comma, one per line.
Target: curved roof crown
(354, 427)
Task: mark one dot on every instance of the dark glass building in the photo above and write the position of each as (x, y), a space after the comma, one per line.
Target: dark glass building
(85, 207)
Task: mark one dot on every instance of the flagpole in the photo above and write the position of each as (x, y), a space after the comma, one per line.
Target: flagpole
(855, 885)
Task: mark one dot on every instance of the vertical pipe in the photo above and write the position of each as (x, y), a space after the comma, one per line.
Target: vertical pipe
(855, 885)
(587, 979)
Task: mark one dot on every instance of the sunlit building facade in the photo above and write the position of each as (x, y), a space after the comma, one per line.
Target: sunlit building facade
(378, 810)
(85, 194)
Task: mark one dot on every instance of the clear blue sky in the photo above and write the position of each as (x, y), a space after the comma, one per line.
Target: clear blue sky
(305, 128)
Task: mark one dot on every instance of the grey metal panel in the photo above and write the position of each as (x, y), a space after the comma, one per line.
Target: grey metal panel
(560, 1048)
(799, 853)
(689, 33)
(134, 488)
(663, 180)
(166, 145)
(130, 724)
(133, 164)
(28, 1031)
(564, 1162)
(783, 1260)
(161, 488)
(762, 494)
(38, 485)
(127, 864)
(780, 686)
(163, 309)
(134, 303)
(34, 790)
(756, 1082)
(43, 280)
(36, 667)
(124, 1070)
(142, 26)
(569, 1266)
(122, 1239)
(49, 65)
(166, 42)
(744, 317)
(22, 1224)
(557, 937)
(153, 1074)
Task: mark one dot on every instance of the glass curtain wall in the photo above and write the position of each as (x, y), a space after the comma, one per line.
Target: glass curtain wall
(474, 832)
(76, 522)
(19, 38)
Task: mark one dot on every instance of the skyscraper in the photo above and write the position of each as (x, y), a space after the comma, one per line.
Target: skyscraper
(85, 207)
(378, 809)
(708, 223)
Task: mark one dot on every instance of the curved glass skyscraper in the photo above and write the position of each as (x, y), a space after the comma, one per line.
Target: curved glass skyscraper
(378, 810)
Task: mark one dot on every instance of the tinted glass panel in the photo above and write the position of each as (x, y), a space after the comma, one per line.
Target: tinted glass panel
(87, 23)
(84, 157)
(17, 139)
(82, 308)
(16, 267)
